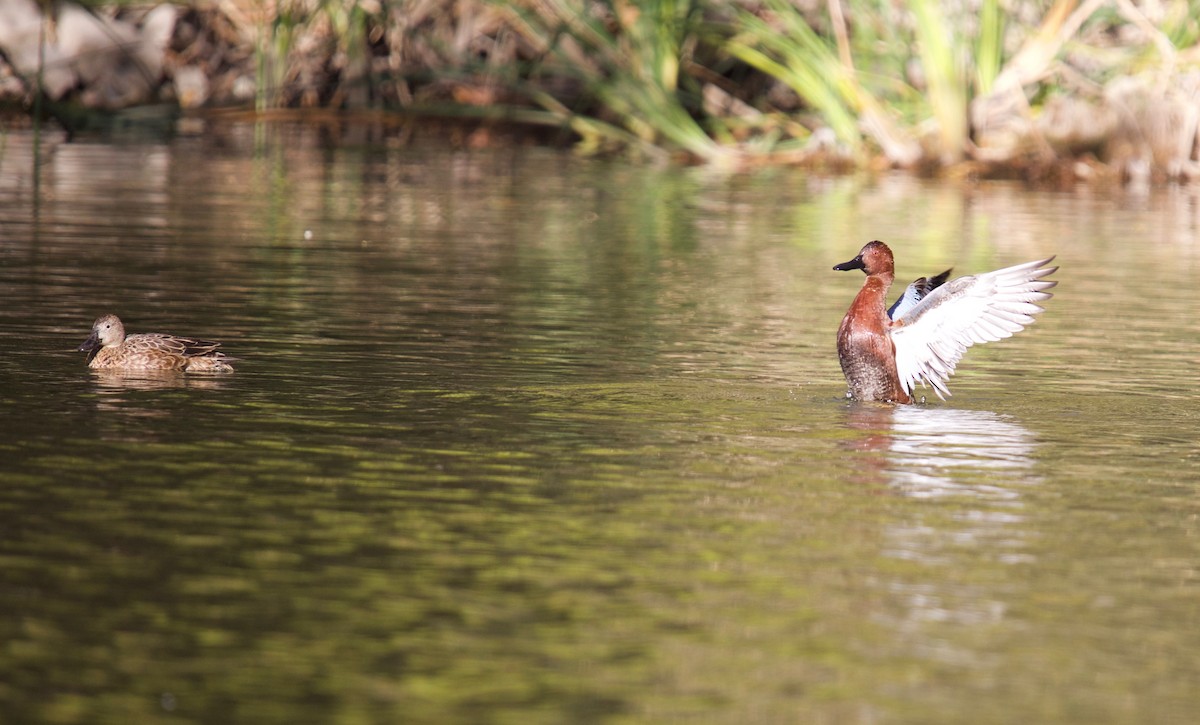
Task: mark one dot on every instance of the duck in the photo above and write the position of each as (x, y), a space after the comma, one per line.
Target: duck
(109, 348)
(885, 352)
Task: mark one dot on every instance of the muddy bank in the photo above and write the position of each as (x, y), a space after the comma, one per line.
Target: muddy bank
(1071, 93)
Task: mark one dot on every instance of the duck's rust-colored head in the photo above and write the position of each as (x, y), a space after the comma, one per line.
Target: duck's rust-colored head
(874, 258)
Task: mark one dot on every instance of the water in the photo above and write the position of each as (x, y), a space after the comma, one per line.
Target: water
(520, 438)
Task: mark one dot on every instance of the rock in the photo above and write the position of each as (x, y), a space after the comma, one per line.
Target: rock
(191, 87)
(117, 63)
(20, 28)
(1073, 125)
(1156, 124)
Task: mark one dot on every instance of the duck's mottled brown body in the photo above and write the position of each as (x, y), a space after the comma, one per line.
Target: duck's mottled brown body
(109, 348)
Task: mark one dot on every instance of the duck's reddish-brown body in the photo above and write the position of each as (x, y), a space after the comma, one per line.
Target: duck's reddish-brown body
(865, 349)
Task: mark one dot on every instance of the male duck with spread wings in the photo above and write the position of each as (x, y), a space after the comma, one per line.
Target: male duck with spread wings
(884, 353)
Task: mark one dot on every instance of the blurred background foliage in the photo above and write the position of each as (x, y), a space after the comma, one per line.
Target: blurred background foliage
(914, 83)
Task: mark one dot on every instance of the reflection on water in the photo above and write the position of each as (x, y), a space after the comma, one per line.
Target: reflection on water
(929, 442)
(522, 438)
(117, 380)
(982, 461)
(933, 445)
(979, 459)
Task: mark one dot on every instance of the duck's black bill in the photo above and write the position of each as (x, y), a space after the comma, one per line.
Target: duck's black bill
(855, 263)
(89, 344)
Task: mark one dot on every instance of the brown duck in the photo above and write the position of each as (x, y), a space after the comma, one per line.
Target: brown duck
(109, 348)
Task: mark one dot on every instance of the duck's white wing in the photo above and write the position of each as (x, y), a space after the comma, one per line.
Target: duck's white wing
(932, 337)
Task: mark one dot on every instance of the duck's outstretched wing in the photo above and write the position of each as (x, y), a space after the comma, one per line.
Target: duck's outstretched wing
(932, 336)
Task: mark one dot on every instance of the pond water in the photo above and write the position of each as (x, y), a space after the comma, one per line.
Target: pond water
(521, 438)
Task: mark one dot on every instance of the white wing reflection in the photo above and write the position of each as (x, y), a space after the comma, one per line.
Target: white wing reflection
(971, 468)
(932, 452)
(941, 451)
(976, 463)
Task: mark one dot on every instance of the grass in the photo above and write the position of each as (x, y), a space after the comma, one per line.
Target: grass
(629, 61)
(790, 51)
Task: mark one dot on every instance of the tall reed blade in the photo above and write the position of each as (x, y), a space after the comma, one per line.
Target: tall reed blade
(945, 76)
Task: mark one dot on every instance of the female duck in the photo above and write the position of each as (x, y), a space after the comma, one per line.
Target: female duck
(109, 349)
(883, 358)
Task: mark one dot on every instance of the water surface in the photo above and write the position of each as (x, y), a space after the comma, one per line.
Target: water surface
(517, 437)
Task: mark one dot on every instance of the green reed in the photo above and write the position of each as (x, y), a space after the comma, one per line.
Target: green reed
(630, 76)
(629, 59)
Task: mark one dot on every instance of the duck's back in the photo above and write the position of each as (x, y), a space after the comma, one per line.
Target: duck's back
(157, 351)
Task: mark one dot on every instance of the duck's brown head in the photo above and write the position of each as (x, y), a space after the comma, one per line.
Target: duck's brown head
(106, 331)
(874, 258)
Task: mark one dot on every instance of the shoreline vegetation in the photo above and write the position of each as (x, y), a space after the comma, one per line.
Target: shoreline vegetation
(1055, 92)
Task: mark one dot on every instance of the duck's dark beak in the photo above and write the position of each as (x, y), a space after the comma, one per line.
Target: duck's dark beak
(855, 263)
(90, 344)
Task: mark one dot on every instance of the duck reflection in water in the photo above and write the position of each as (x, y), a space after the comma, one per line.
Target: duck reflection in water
(885, 353)
(117, 390)
(978, 466)
(154, 380)
(930, 452)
